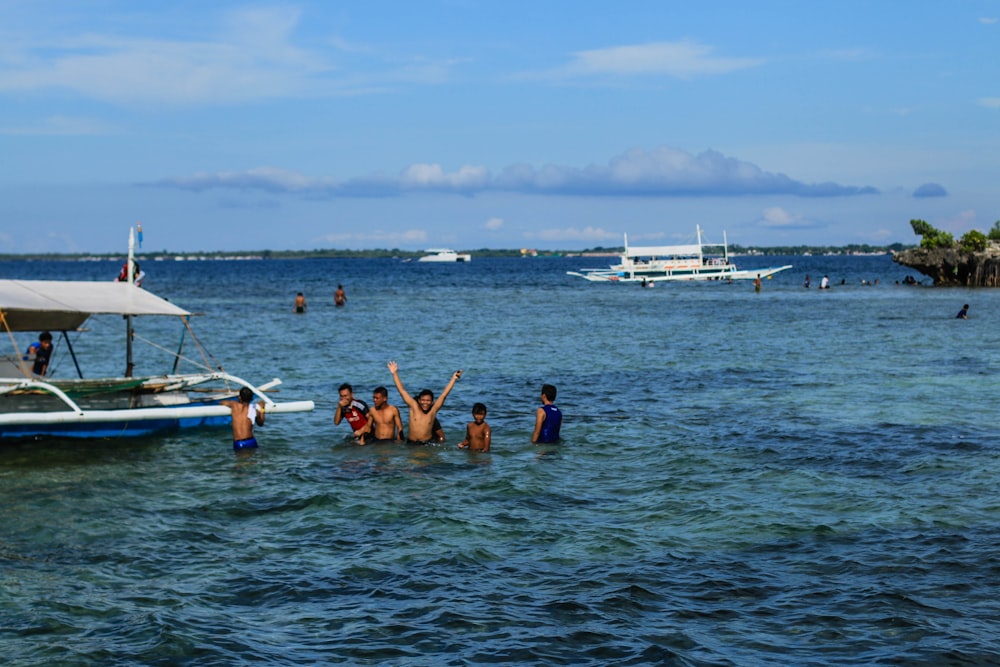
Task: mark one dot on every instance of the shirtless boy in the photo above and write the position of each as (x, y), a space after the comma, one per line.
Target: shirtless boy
(386, 424)
(245, 415)
(424, 409)
(477, 433)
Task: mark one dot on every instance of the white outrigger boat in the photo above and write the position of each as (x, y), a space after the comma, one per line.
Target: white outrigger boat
(32, 406)
(445, 255)
(653, 264)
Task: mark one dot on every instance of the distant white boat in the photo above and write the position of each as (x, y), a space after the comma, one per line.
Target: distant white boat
(653, 264)
(445, 255)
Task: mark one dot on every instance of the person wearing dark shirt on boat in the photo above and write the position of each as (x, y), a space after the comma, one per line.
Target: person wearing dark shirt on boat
(548, 418)
(354, 410)
(245, 415)
(42, 351)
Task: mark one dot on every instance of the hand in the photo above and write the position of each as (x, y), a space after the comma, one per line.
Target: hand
(458, 374)
(393, 367)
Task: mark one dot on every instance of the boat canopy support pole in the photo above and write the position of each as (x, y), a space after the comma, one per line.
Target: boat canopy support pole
(72, 354)
(180, 348)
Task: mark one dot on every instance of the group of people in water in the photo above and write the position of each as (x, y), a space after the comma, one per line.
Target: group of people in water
(339, 299)
(383, 423)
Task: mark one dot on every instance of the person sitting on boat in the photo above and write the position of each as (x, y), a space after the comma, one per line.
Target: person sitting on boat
(245, 415)
(40, 352)
(137, 274)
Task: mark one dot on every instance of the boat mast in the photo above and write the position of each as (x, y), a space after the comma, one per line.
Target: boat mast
(129, 331)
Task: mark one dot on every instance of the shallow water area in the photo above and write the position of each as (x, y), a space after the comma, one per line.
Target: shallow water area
(791, 477)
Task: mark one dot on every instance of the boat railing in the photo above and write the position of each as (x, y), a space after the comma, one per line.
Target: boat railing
(28, 385)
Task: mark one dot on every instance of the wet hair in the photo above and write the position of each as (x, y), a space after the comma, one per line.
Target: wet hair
(425, 392)
(246, 395)
(478, 409)
(549, 391)
(381, 391)
(45, 335)
(346, 386)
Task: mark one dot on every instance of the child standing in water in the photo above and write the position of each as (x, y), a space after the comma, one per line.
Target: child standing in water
(478, 432)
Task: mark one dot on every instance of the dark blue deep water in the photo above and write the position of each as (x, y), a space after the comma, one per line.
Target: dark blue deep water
(793, 477)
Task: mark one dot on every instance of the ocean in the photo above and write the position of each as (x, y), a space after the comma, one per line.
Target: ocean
(790, 477)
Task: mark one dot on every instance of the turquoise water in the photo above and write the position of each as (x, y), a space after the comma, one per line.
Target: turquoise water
(791, 477)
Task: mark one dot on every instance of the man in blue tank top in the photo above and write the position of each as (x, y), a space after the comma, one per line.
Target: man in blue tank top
(548, 418)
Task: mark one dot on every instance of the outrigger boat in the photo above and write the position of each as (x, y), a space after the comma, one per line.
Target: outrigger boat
(32, 406)
(653, 264)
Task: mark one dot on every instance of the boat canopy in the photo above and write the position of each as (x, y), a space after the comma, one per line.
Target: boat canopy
(63, 305)
(663, 250)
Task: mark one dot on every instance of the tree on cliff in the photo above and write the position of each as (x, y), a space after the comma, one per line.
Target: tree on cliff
(931, 237)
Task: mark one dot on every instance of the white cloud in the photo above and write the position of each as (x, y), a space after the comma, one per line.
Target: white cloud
(571, 234)
(988, 20)
(247, 55)
(59, 126)
(990, 102)
(684, 59)
(493, 224)
(776, 217)
(378, 236)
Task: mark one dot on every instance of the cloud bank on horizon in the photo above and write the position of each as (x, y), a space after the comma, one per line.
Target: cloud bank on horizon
(455, 125)
(662, 172)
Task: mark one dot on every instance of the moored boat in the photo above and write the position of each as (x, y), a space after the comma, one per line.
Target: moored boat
(34, 406)
(652, 264)
(445, 255)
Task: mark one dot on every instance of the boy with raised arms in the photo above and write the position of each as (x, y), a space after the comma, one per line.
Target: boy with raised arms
(424, 409)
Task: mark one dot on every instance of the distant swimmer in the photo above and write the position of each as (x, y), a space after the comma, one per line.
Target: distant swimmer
(548, 418)
(300, 303)
(807, 282)
(756, 283)
(964, 313)
(424, 409)
(245, 415)
(339, 297)
(825, 283)
(477, 432)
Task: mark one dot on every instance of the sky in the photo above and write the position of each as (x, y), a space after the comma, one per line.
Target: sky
(547, 124)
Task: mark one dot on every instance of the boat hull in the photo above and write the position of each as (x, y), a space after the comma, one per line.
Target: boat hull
(91, 424)
(612, 276)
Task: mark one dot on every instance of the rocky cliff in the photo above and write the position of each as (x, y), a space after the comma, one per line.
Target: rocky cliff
(953, 267)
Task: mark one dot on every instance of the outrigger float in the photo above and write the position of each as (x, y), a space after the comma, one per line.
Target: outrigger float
(32, 406)
(653, 264)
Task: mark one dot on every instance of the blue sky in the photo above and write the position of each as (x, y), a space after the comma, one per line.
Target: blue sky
(542, 124)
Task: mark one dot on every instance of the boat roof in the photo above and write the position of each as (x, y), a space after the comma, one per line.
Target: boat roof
(63, 305)
(662, 250)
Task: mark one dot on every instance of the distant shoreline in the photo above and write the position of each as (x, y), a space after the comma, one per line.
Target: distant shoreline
(166, 255)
